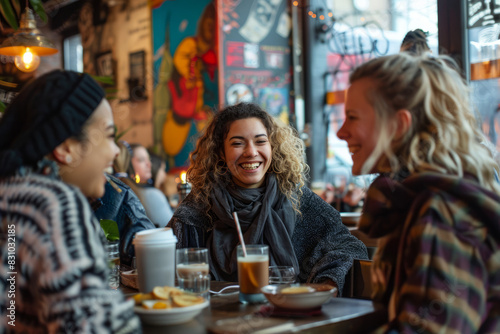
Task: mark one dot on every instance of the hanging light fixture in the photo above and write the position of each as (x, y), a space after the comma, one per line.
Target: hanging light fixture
(27, 44)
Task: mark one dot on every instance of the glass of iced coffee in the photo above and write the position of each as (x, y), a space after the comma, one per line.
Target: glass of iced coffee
(253, 272)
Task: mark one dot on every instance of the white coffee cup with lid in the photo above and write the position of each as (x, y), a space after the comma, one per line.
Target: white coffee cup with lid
(155, 258)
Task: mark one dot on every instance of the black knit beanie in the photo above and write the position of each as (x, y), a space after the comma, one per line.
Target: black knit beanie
(46, 112)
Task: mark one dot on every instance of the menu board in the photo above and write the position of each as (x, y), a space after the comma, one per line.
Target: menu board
(254, 51)
(481, 13)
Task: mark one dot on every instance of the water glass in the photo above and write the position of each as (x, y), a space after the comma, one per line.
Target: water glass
(191, 262)
(113, 256)
(281, 275)
(196, 284)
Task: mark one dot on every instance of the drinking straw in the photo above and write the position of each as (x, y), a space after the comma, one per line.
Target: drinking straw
(114, 185)
(237, 222)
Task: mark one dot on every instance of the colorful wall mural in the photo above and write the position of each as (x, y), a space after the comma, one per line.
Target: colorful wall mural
(185, 75)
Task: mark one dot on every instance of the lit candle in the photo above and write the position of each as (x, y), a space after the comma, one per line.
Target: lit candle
(183, 188)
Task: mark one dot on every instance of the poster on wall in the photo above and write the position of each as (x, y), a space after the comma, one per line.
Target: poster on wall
(185, 75)
(482, 13)
(254, 54)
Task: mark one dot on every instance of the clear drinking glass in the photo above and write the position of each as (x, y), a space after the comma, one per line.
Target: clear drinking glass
(281, 275)
(339, 177)
(191, 262)
(196, 284)
(253, 272)
(113, 255)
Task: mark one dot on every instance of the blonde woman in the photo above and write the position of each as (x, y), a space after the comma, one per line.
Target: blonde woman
(436, 206)
(247, 162)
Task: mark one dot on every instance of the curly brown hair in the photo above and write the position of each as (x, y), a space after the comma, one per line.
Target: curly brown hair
(208, 168)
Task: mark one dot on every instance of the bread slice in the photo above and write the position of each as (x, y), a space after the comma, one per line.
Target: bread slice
(165, 292)
(184, 300)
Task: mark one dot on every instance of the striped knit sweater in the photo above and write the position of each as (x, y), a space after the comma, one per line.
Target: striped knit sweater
(437, 268)
(53, 275)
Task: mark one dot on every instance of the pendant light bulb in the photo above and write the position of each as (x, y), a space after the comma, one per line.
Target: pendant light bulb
(28, 61)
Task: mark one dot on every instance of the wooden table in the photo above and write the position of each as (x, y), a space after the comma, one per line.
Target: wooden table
(226, 315)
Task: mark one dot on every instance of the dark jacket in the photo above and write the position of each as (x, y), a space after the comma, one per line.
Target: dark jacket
(127, 211)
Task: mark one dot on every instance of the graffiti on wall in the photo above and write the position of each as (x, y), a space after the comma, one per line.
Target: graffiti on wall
(255, 48)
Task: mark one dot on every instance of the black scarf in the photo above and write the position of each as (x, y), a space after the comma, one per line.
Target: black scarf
(266, 217)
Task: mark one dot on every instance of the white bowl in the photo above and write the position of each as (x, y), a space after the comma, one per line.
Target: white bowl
(350, 218)
(314, 296)
(171, 316)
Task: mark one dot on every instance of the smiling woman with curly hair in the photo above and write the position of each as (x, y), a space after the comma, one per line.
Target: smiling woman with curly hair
(248, 162)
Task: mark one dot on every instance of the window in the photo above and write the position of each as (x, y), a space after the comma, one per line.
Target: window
(73, 53)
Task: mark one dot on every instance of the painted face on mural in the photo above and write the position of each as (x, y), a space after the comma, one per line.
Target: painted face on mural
(208, 29)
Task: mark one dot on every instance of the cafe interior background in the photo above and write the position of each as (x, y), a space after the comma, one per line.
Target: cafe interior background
(169, 63)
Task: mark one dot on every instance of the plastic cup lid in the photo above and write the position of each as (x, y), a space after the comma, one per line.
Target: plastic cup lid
(155, 236)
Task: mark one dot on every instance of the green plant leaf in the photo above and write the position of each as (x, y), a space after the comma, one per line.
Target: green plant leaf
(38, 8)
(121, 134)
(110, 228)
(103, 79)
(17, 7)
(8, 14)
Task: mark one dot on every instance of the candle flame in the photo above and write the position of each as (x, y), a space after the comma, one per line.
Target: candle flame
(183, 177)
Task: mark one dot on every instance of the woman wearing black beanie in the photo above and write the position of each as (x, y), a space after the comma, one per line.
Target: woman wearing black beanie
(57, 138)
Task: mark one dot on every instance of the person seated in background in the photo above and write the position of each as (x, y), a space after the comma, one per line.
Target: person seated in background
(122, 166)
(121, 204)
(351, 200)
(435, 207)
(249, 163)
(158, 174)
(155, 202)
(415, 43)
(57, 138)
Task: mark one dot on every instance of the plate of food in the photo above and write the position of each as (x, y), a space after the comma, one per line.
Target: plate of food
(168, 306)
(298, 296)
